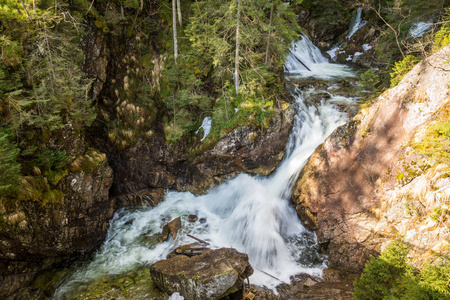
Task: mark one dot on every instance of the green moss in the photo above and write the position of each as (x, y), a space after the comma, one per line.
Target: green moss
(54, 176)
(439, 214)
(52, 196)
(132, 285)
(436, 143)
(101, 24)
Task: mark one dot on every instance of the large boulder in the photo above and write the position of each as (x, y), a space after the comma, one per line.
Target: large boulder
(211, 275)
(369, 182)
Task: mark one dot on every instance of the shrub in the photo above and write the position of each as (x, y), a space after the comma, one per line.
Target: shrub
(390, 277)
(441, 38)
(401, 68)
(436, 143)
(369, 80)
(382, 275)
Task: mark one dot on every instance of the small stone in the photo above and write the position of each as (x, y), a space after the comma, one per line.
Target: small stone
(193, 218)
(129, 222)
(170, 228)
(202, 220)
(309, 282)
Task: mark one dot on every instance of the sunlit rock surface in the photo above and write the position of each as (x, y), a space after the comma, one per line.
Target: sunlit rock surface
(351, 191)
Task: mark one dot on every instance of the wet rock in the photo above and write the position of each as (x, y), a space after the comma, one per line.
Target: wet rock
(170, 228)
(193, 218)
(129, 222)
(211, 275)
(305, 286)
(203, 220)
(189, 250)
(309, 282)
(245, 149)
(349, 191)
(47, 233)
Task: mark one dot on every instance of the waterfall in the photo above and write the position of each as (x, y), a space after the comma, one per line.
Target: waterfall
(356, 24)
(250, 213)
(306, 60)
(303, 55)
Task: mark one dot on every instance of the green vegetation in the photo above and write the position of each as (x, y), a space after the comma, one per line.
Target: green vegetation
(436, 143)
(9, 167)
(389, 276)
(401, 68)
(50, 85)
(266, 29)
(43, 93)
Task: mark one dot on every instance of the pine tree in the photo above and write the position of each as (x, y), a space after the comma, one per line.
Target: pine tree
(9, 167)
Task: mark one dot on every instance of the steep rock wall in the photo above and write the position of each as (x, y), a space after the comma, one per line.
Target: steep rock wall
(350, 192)
(36, 235)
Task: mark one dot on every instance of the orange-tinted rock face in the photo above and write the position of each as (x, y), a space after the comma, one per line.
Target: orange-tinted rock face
(342, 188)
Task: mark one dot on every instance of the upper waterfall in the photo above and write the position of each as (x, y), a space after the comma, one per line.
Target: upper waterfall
(306, 60)
(356, 24)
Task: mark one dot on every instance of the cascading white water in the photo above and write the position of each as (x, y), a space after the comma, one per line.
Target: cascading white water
(252, 214)
(356, 24)
(306, 60)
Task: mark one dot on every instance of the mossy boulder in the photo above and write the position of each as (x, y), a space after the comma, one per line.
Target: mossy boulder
(213, 274)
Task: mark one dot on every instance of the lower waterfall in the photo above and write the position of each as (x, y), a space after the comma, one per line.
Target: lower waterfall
(250, 213)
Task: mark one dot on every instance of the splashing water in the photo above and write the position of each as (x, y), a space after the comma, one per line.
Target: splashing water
(356, 24)
(306, 60)
(252, 214)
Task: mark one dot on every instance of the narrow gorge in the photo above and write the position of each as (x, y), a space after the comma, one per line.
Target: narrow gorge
(233, 149)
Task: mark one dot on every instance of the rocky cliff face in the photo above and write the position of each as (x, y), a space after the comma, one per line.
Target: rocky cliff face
(369, 183)
(35, 235)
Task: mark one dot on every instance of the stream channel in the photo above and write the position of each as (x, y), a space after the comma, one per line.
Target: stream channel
(250, 213)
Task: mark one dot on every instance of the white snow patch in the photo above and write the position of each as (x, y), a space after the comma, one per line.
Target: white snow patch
(420, 28)
(366, 47)
(332, 52)
(206, 125)
(356, 56)
(176, 296)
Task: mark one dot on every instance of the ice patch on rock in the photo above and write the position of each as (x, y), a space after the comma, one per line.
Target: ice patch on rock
(366, 47)
(206, 125)
(332, 52)
(176, 296)
(420, 28)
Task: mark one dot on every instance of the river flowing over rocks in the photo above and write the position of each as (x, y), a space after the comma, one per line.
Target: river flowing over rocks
(252, 214)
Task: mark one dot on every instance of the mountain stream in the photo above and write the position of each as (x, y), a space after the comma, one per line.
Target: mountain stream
(250, 213)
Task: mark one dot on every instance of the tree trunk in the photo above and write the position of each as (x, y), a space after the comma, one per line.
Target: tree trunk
(268, 36)
(236, 61)
(179, 12)
(175, 42)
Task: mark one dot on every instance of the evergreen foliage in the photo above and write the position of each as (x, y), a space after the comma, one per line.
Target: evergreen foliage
(389, 276)
(401, 68)
(9, 167)
(266, 30)
(370, 80)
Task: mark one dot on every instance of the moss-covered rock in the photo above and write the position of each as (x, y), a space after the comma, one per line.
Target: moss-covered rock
(211, 275)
